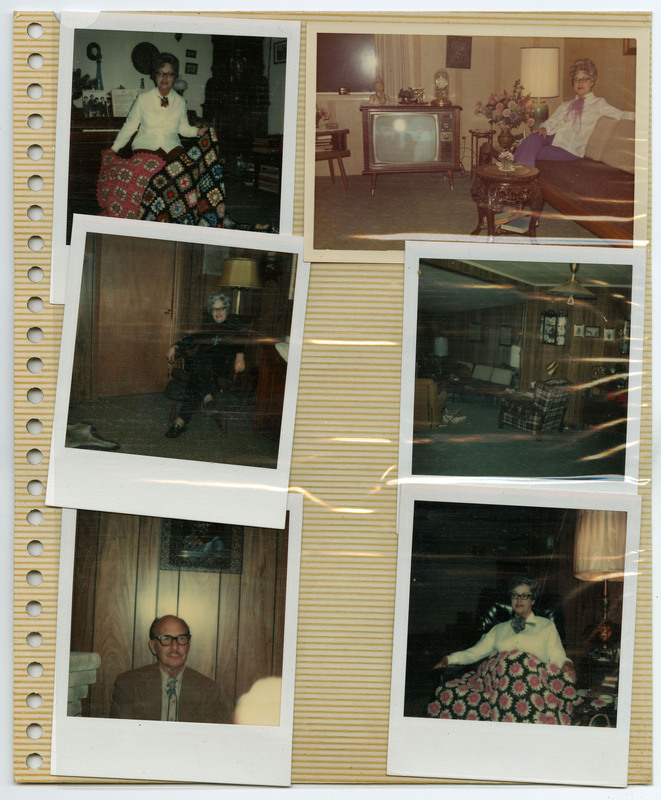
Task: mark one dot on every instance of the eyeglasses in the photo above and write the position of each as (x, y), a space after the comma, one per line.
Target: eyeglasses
(166, 640)
(581, 80)
(165, 74)
(516, 596)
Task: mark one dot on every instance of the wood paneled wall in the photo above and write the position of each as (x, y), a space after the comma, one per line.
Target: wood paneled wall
(236, 620)
(580, 357)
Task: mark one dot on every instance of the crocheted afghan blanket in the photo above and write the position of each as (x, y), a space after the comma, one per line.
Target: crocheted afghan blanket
(511, 686)
(188, 190)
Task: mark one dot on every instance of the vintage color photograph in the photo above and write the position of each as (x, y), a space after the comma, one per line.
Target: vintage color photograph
(532, 134)
(195, 140)
(183, 674)
(514, 620)
(179, 370)
(510, 379)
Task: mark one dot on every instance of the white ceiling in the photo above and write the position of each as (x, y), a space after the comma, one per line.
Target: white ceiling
(449, 291)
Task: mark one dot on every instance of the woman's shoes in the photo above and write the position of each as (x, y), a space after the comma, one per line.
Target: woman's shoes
(174, 431)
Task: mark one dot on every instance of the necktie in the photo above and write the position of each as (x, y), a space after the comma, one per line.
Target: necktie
(518, 623)
(575, 111)
(164, 101)
(171, 691)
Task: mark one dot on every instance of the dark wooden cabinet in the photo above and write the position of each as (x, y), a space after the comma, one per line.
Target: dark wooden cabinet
(236, 100)
(270, 391)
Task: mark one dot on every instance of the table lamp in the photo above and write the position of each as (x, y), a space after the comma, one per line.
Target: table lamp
(539, 78)
(240, 273)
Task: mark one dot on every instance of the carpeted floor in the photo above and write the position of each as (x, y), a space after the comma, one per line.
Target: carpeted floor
(405, 205)
(139, 422)
(477, 447)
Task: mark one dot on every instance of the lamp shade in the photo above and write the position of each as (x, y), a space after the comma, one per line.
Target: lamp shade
(515, 356)
(539, 71)
(599, 545)
(241, 273)
(441, 346)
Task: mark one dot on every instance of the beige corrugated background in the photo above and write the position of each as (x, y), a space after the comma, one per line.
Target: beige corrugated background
(349, 393)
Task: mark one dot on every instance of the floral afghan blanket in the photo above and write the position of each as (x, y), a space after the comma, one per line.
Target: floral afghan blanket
(511, 686)
(188, 190)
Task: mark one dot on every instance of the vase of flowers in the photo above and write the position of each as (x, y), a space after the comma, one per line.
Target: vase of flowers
(507, 111)
(506, 161)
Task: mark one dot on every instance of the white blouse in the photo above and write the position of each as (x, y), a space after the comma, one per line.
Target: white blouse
(574, 137)
(158, 126)
(540, 638)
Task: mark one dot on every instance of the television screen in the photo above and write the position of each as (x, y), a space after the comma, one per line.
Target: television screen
(406, 138)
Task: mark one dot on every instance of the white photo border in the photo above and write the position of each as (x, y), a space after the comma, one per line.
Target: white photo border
(182, 751)
(501, 751)
(200, 25)
(170, 487)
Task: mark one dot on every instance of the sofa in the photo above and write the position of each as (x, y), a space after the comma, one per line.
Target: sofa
(484, 379)
(597, 191)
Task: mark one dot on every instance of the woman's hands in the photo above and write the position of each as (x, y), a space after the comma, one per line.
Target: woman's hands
(442, 664)
(541, 132)
(171, 354)
(239, 363)
(569, 670)
(202, 131)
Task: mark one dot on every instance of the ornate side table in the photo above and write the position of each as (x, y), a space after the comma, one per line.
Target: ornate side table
(493, 189)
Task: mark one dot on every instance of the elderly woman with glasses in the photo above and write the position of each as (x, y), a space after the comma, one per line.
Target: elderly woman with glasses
(565, 134)
(523, 674)
(159, 116)
(213, 357)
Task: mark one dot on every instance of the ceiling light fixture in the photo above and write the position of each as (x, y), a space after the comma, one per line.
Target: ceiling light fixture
(572, 288)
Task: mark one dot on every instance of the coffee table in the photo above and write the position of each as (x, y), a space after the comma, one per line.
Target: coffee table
(493, 189)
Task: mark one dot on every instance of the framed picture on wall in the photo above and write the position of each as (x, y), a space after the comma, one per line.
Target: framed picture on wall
(280, 52)
(458, 52)
(592, 331)
(201, 546)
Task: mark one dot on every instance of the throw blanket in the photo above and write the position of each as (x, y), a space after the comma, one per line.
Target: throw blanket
(188, 190)
(511, 686)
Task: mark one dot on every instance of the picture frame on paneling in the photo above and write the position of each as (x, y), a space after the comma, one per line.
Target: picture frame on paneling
(201, 546)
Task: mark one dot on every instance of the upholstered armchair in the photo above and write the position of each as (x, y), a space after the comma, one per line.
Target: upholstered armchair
(542, 413)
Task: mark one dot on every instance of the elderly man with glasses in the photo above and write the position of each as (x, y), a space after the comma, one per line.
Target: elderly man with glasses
(168, 690)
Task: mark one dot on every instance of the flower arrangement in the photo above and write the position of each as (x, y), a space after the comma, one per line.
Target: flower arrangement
(322, 114)
(508, 110)
(506, 157)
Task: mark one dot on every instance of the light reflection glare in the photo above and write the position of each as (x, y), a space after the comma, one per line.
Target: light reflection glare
(358, 440)
(607, 453)
(352, 342)
(324, 504)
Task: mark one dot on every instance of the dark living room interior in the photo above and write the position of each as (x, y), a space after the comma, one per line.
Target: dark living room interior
(463, 557)
(492, 337)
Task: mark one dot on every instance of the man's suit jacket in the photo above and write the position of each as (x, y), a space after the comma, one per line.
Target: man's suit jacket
(137, 695)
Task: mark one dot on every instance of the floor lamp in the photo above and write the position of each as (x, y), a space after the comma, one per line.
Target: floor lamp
(599, 552)
(240, 273)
